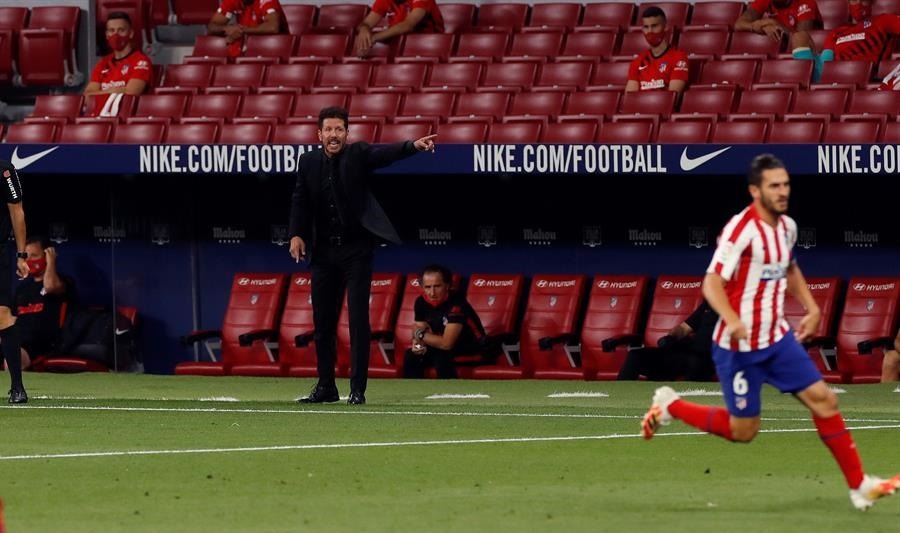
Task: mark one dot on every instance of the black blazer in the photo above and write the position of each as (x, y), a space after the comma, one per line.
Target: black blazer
(357, 162)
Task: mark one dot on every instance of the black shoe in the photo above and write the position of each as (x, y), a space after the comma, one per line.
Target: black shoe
(17, 396)
(320, 394)
(356, 398)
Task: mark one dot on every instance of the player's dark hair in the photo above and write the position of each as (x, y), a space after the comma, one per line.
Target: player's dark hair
(653, 11)
(761, 163)
(334, 112)
(444, 271)
(38, 239)
(119, 15)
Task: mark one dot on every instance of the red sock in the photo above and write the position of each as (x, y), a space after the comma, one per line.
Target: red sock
(715, 420)
(837, 437)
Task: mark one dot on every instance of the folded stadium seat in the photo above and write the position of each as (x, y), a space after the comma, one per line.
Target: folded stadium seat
(775, 73)
(7, 42)
(295, 76)
(677, 13)
(321, 47)
(279, 46)
(704, 42)
(65, 18)
(834, 13)
(42, 57)
(567, 76)
(740, 132)
(537, 46)
(797, 132)
(869, 317)
(384, 302)
(458, 18)
(374, 105)
(97, 133)
(309, 105)
(506, 16)
(455, 77)
(824, 103)
(197, 133)
(599, 104)
(299, 17)
(749, 45)
(716, 13)
(13, 18)
(244, 75)
(161, 105)
(660, 103)
(765, 101)
(245, 133)
(473, 132)
(891, 133)
(290, 133)
(825, 291)
(204, 60)
(402, 77)
(614, 310)
(435, 106)
(684, 132)
(555, 16)
(845, 74)
(365, 130)
(210, 46)
(340, 17)
(496, 298)
(20, 133)
(626, 132)
(68, 364)
(481, 105)
(480, 47)
(214, 105)
(733, 72)
(197, 75)
(885, 6)
(149, 133)
(852, 132)
(251, 319)
(718, 101)
(633, 43)
(349, 76)
(274, 105)
(392, 133)
(425, 47)
(615, 16)
(609, 77)
(194, 11)
(136, 11)
(570, 132)
(875, 103)
(67, 106)
(519, 132)
(539, 104)
(296, 346)
(589, 46)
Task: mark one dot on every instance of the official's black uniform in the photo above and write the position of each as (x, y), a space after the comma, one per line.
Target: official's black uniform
(689, 358)
(335, 213)
(38, 314)
(454, 310)
(9, 337)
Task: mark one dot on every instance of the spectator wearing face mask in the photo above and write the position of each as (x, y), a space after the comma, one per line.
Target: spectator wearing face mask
(124, 71)
(662, 67)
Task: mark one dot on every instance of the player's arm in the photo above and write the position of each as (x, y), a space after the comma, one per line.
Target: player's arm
(407, 25)
(53, 284)
(447, 340)
(364, 36)
(796, 285)
(217, 24)
(270, 25)
(632, 86)
(633, 83)
(674, 85)
(93, 88)
(714, 292)
(17, 215)
(297, 226)
(747, 19)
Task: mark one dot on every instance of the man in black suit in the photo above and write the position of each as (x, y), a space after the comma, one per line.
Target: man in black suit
(336, 222)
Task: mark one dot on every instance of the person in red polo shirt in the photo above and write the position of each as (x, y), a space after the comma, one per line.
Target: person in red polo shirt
(403, 16)
(794, 17)
(864, 37)
(236, 18)
(662, 66)
(124, 71)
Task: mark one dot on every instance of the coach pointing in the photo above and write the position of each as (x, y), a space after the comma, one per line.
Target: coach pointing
(336, 222)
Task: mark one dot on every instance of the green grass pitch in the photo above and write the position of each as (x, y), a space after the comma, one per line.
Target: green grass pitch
(136, 453)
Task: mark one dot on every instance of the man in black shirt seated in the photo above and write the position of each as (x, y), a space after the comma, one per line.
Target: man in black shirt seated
(445, 326)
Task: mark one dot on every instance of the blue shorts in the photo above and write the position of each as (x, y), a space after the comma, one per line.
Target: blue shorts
(785, 365)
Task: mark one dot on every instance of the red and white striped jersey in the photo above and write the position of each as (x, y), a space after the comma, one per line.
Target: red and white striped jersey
(753, 258)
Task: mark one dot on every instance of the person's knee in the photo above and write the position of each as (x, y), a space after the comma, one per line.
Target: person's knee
(744, 430)
(6, 318)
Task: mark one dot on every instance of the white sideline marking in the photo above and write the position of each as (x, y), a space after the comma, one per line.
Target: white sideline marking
(451, 442)
(456, 396)
(699, 392)
(578, 395)
(219, 399)
(838, 390)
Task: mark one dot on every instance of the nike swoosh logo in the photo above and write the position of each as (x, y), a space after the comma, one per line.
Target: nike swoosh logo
(21, 163)
(122, 331)
(688, 163)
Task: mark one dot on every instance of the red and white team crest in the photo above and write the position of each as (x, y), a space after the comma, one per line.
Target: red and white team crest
(663, 66)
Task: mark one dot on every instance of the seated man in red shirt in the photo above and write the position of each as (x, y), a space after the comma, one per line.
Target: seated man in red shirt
(864, 37)
(662, 66)
(794, 17)
(236, 18)
(124, 71)
(404, 16)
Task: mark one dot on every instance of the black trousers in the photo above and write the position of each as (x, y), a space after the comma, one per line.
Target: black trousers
(414, 365)
(667, 364)
(335, 266)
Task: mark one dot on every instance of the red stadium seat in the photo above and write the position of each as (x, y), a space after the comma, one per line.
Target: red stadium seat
(353, 75)
(251, 319)
(198, 133)
(458, 18)
(875, 102)
(660, 103)
(550, 327)
(149, 133)
(741, 132)
(41, 133)
(610, 76)
(633, 43)
(464, 76)
(246, 75)
(719, 100)
(852, 74)
(392, 133)
(834, 13)
(385, 105)
(716, 13)
(674, 299)
(474, 132)
(563, 16)
(588, 46)
(428, 105)
(790, 72)
(403, 75)
(245, 133)
(521, 132)
(280, 46)
(676, 13)
(384, 302)
(544, 44)
(541, 104)
(852, 132)
(482, 105)
(752, 45)
(570, 132)
(295, 133)
(136, 11)
(214, 105)
(275, 105)
(502, 15)
(870, 313)
(684, 132)
(188, 76)
(765, 101)
(310, 104)
(42, 57)
(496, 298)
(825, 292)
(426, 46)
(736, 72)
(362, 130)
(611, 323)
(7, 43)
(323, 46)
(797, 132)
(617, 15)
(96, 133)
(161, 105)
(63, 18)
(210, 46)
(484, 46)
(832, 102)
(194, 11)
(885, 6)
(295, 76)
(343, 17)
(60, 105)
(296, 347)
(299, 17)
(570, 76)
(598, 103)
(625, 133)
(712, 42)
(891, 133)
(13, 18)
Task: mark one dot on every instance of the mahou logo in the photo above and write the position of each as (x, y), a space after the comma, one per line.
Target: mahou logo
(860, 239)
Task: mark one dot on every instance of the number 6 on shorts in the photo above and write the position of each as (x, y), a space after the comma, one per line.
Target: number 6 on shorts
(739, 385)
